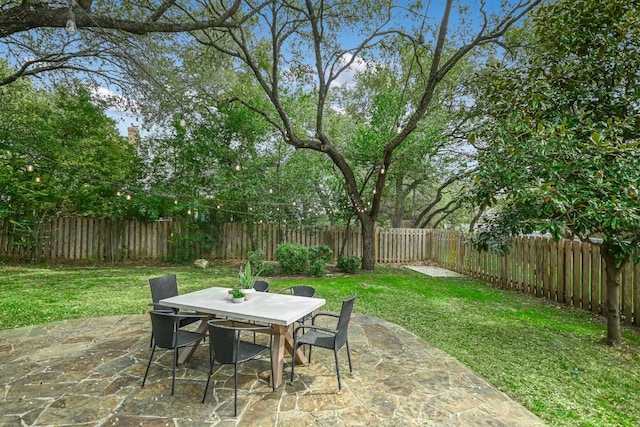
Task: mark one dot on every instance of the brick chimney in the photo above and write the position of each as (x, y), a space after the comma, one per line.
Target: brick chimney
(134, 135)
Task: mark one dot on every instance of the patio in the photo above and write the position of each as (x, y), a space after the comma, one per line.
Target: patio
(88, 372)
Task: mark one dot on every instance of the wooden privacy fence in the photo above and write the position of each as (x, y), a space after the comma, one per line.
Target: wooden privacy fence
(81, 238)
(568, 272)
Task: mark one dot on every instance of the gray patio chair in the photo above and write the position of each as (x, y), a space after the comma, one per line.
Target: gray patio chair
(321, 336)
(226, 347)
(166, 287)
(261, 286)
(165, 328)
(301, 291)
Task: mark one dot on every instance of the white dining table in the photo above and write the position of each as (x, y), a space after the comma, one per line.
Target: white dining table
(278, 310)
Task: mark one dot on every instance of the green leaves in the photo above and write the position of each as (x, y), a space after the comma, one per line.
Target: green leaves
(562, 133)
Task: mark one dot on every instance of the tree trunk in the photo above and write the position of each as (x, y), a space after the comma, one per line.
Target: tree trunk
(368, 243)
(612, 305)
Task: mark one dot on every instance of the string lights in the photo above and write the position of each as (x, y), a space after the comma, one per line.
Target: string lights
(71, 18)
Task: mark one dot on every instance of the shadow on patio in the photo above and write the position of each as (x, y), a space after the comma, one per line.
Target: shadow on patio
(88, 372)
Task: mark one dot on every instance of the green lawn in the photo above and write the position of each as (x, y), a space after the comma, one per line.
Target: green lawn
(550, 358)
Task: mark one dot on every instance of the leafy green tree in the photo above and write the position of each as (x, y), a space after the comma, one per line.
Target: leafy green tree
(562, 135)
(79, 160)
(297, 51)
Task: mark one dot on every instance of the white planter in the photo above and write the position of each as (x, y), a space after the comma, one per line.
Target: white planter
(248, 293)
(237, 300)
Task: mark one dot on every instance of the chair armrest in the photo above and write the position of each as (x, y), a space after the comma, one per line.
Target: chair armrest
(316, 328)
(326, 313)
(258, 328)
(181, 315)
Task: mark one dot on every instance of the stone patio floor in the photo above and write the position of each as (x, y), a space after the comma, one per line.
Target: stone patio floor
(88, 372)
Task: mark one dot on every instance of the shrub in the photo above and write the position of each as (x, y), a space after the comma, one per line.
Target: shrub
(318, 257)
(261, 268)
(267, 270)
(322, 253)
(317, 268)
(256, 259)
(292, 257)
(349, 263)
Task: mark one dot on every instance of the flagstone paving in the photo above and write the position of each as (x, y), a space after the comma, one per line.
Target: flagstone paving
(88, 372)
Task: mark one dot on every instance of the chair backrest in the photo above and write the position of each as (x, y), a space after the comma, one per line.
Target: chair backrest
(261, 286)
(163, 287)
(163, 328)
(223, 340)
(301, 291)
(343, 320)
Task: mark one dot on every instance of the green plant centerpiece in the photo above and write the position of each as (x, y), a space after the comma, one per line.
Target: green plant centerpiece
(247, 280)
(237, 295)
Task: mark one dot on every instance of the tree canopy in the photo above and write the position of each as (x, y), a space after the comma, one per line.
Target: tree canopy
(44, 36)
(562, 135)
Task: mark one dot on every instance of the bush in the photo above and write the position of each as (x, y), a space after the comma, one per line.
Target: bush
(322, 253)
(267, 270)
(349, 263)
(318, 257)
(261, 268)
(292, 257)
(317, 268)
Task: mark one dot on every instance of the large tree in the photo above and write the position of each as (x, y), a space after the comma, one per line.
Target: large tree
(94, 37)
(563, 135)
(295, 49)
(60, 156)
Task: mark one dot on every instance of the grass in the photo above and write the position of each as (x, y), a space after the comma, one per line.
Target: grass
(549, 357)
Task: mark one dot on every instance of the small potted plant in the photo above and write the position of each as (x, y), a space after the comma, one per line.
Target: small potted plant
(247, 280)
(237, 296)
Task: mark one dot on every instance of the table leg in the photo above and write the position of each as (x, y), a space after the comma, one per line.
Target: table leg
(282, 339)
(277, 353)
(188, 351)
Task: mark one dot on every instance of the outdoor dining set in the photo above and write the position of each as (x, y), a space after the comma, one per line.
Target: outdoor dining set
(290, 320)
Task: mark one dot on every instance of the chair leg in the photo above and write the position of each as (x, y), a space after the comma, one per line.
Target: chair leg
(273, 383)
(153, 349)
(335, 354)
(175, 362)
(235, 391)
(349, 357)
(293, 358)
(206, 387)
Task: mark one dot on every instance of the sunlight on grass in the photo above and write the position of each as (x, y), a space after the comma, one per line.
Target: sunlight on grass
(549, 357)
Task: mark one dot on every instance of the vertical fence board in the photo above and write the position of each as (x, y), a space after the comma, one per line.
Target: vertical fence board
(577, 276)
(595, 279)
(586, 277)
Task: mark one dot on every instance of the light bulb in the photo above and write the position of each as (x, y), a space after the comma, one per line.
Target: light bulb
(71, 21)
(183, 121)
(238, 167)
(38, 179)
(128, 196)
(30, 167)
